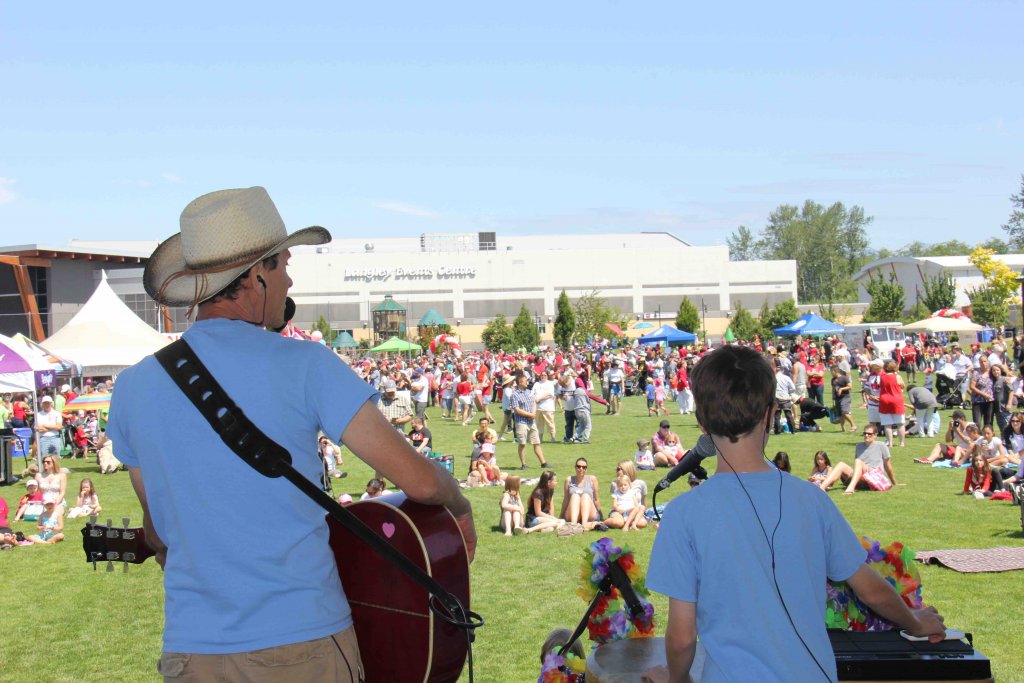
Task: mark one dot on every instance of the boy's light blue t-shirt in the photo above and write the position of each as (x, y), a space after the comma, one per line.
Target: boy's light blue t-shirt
(711, 551)
(249, 565)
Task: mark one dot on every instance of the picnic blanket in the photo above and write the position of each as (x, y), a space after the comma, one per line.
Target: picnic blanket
(970, 560)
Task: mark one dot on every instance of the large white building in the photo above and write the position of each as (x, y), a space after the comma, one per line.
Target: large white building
(471, 277)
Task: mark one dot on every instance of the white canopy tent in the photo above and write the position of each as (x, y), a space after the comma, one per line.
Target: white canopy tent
(105, 336)
(942, 324)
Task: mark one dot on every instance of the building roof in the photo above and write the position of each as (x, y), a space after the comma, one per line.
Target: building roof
(412, 244)
(432, 317)
(1015, 261)
(389, 304)
(76, 253)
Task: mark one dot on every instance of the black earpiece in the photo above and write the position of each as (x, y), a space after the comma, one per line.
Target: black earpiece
(259, 279)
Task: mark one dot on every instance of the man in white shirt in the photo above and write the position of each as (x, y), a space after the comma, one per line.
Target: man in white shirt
(48, 425)
(544, 395)
(419, 391)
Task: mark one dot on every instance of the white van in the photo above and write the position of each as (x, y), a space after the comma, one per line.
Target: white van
(882, 336)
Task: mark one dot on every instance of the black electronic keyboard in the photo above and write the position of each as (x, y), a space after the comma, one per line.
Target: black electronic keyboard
(887, 656)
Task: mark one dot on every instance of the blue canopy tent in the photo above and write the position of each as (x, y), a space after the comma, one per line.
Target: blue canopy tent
(809, 326)
(668, 335)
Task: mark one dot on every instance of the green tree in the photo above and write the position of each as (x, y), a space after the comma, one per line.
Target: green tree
(918, 249)
(939, 292)
(829, 245)
(762, 320)
(565, 321)
(988, 306)
(743, 246)
(524, 330)
(743, 324)
(592, 314)
(426, 333)
(886, 300)
(1014, 225)
(782, 314)
(688, 318)
(497, 334)
(325, 329)
(918, 311)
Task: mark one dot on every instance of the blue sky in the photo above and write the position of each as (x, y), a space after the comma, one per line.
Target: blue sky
(525, 118)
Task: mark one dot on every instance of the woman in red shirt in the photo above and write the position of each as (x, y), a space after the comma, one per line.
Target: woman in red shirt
(464, 392)
(892, 408)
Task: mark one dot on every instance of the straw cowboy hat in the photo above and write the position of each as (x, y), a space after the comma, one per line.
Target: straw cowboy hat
(222, 235)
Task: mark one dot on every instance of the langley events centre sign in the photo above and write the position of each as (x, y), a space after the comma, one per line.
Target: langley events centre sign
(382, 274)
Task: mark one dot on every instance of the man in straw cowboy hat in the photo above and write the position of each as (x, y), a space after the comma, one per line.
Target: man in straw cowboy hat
(246, 558)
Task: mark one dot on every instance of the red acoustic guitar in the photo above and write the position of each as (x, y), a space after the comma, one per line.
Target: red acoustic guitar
(400, 638)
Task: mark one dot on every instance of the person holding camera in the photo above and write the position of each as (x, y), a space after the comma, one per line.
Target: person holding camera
(958, 444)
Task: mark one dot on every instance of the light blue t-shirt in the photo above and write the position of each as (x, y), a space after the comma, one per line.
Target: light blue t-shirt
(711, 551)
(249, 565)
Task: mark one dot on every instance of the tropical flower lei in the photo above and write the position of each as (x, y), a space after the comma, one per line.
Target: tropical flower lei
(611, 619)
(562, 669)
(896, 565)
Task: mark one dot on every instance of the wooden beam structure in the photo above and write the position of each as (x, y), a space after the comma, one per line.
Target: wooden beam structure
(27, 295)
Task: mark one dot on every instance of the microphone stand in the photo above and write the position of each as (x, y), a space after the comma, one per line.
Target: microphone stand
(616, 577)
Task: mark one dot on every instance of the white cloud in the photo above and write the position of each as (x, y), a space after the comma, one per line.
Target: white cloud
(407, 209)
(170, 177)
(6, 193)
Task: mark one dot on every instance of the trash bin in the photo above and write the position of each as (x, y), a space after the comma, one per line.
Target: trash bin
(985, 335)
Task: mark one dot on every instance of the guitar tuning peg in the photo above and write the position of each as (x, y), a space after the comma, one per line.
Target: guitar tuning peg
(110, 566)
(94, 564)
(125, 568)
(110, 522)
(126, 521)
(92, 519)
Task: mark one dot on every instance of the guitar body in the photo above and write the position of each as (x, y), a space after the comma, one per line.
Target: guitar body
(400, 639)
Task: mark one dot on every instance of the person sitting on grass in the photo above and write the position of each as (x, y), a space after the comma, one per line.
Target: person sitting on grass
(822, 468)
(978, 481)
(32, 500)
(374, 489)
(781, 462)
(541, 505)
(486, 465)
(626, 467)
(667, 450)
(643, 456)
(870, 455)
(713, 555)
(958, 442)
(627, 511)
(991, 446)
(420, 438)
(51, 522)
(88, 502)
(581, 504)
(512, 510)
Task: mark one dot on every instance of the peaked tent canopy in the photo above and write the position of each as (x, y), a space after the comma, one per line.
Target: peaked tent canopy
(344, 340)
(16, 373)
(431, 317)
(105, 336)
(669, 335)
(942, 324)
(394, 345)
(809, 325)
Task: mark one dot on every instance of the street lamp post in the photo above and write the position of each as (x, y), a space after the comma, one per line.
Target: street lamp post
(704, 320)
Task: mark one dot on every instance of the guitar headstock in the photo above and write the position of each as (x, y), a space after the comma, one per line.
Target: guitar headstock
(108, 543)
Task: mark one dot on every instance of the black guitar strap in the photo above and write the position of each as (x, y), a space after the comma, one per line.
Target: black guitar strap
(271, 459)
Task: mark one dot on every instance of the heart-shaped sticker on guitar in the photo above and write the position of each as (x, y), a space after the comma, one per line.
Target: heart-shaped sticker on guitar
(388, 528)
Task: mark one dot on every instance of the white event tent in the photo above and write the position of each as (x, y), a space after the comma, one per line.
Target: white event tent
(105, 336)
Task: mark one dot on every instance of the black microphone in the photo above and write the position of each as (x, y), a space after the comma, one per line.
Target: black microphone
(289, 313)
(690, 462)
(629, 596)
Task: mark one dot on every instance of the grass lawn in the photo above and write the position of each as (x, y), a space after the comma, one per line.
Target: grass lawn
(63, 622)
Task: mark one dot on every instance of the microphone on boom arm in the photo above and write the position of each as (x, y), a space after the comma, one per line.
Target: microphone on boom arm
(690, 462)
(289, 312)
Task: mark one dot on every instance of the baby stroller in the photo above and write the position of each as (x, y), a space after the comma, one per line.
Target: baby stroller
(949, 392)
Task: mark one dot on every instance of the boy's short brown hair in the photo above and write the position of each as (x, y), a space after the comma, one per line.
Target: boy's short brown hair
(732, 388)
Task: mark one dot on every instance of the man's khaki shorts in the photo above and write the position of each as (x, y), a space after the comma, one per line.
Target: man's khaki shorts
(334, 659)
(527, 433)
